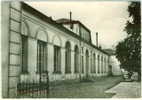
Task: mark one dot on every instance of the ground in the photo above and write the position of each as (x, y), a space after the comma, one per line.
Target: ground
(95, 89)
(126, 90)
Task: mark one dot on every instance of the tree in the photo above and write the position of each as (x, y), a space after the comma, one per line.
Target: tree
(128, 51)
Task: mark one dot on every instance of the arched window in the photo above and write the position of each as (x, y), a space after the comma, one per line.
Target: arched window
(106, 64)
(102, 64)
(57, 54)
(82, 70)
(24, 42)
(76, 60)
(98, 64)
(42, 39)
(68, 57)
(82, 60)
(87, 61)
(94, 62)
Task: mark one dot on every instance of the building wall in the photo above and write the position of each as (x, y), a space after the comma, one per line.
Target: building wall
(103, 65)
(115, 65)
(55, 37)
(5, 46)
(36, 29)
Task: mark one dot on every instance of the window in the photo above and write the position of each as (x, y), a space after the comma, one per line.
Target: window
(68, 58)
(102, 64)
(91, 65)
(57, 59)
(94, 63)
(93, 68)
(76, 60)
(24, 54)
(41, 57)
(87, 61)
(82, 64)
(98, 64)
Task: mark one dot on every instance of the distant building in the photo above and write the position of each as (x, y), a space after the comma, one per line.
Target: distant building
(33, 43)
(114, 64)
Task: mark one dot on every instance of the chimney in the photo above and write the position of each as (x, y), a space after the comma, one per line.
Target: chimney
(70, 16)
(71, 25)
(97, 39)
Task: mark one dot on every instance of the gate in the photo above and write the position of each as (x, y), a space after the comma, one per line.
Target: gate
(34, 89)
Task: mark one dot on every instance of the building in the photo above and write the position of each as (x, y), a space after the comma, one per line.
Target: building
(114, 64)
(33, 43)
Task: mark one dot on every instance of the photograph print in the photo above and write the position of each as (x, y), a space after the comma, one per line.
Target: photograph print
(71, 49)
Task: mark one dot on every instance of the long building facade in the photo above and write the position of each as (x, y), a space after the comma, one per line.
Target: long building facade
(33, 43)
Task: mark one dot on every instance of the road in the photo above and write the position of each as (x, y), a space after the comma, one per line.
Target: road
(78, 89)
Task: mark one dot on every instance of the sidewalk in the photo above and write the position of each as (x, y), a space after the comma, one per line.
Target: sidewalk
(126, 90)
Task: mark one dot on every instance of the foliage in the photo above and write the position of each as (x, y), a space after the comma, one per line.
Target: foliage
(128, 50)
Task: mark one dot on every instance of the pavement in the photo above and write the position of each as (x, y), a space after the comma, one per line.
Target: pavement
(126, 90)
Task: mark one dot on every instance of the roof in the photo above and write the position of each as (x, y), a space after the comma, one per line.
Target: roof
(62, 20)
(55, 24)
(68, 21)
(110, 51)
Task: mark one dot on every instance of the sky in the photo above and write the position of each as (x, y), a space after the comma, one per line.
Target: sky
(108, 18)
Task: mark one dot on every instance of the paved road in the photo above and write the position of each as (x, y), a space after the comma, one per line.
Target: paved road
(126, 90)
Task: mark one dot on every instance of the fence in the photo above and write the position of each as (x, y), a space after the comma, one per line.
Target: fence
(33, 89)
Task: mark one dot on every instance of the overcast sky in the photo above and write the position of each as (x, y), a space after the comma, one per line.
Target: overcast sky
(107, 18)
